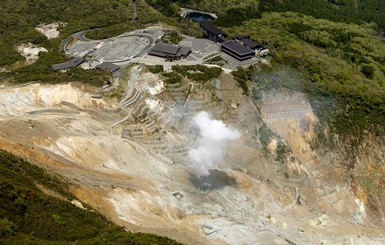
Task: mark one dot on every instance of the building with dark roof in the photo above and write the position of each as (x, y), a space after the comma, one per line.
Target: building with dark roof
(237, 50)
(212, 32)
(242, 36)
(74, 62)
(245, 40)
(108, 66)
(169, 51)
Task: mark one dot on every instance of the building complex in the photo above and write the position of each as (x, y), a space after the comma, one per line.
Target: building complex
(241, 47)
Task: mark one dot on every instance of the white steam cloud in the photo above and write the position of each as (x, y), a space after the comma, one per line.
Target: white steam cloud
(212, 143)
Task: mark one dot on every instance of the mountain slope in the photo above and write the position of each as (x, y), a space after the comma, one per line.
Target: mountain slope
(336, 10)
(29, 215)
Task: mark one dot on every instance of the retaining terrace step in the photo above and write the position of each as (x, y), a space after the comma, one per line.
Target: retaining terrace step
(132, 99)
(138, 108)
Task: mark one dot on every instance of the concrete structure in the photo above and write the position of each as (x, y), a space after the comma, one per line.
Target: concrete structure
(170, 52)
(237, 50)
(212, 32)
(76, 61)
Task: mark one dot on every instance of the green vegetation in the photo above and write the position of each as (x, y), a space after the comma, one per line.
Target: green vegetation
(166, 7)
(198, 73)
(155, 68)
(348, 11)
(237, 15)
(216, 60)
(172, 77)
(28, 216)
(171, 37)
(243, 76)
(216, 6)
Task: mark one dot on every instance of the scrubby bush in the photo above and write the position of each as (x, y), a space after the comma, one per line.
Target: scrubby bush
(199, 73)
(155, 69)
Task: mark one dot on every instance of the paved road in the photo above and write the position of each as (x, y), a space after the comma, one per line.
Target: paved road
(79, 35)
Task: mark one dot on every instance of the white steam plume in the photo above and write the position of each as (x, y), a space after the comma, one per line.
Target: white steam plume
(212, 143)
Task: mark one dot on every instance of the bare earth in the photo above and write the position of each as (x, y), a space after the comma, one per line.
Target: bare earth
(127, 160)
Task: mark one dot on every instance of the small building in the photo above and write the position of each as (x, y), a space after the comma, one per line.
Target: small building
(237, 50)
(212, 32)
(245, 40)
(169, 51)
(74, 62)
(108, 66)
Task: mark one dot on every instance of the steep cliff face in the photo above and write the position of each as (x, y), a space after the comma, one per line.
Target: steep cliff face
(368, 176)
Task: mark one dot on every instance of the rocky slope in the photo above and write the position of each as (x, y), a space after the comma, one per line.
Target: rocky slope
(271, 186)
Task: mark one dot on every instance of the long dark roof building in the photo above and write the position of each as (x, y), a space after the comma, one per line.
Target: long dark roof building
(237, 50)
(74, 62)
(212, 32)
(170, 52)
(245, 40)
(108, 66)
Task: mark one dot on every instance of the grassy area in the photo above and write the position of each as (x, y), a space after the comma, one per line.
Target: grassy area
(171, 37)
(216, 60)
(243, 76)
(198, 73)
(28, 216)
(155, 68)
(172, 77)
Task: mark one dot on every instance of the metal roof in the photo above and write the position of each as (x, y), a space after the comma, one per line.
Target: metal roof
(157, 53)
(239, 49)
(77, 60)
(212, 28)
(69, 64)
(108, 66)
(62, 66)
(166, 48)
(184, 51)
(242, 36)
(250, 43)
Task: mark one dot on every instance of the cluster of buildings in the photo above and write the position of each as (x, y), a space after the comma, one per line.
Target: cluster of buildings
(240, 47)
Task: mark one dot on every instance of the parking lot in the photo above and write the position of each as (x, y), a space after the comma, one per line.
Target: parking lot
(115, 49)
(121, 48)
(81, 48)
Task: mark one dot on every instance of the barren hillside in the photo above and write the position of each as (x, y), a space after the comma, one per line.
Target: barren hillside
(129, 161)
